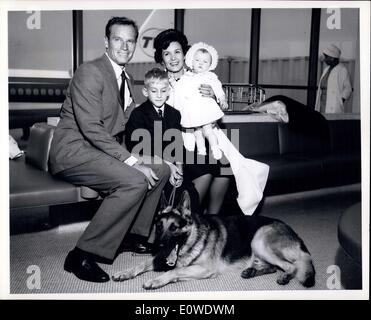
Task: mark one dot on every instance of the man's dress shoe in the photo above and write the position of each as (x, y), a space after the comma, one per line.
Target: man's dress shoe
(84, 267)
(137, 247)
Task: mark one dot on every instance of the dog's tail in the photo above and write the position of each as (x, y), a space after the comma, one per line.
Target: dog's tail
(305, 272)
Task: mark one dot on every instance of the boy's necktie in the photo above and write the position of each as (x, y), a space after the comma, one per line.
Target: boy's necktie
(160, 113)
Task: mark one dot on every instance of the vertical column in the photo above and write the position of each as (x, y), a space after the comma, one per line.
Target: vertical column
(179, 19)
(313, 57)
(254, 46)
(77, 36)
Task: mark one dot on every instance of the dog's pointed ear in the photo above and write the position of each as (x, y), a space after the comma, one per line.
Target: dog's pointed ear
(164, 207)
(184, 205)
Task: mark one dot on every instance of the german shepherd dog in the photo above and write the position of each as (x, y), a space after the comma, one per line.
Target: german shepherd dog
(201, 246)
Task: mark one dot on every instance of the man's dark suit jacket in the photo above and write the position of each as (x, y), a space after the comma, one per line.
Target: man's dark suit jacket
(92, 116)
(144, 117)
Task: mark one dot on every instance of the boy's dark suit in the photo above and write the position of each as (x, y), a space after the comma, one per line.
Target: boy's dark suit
(144, 117)
(86, 151)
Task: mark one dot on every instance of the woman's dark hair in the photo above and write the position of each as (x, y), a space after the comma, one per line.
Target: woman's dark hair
(121, 21)
(163, 40)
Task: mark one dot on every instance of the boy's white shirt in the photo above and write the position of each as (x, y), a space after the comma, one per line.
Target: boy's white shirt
(159, 108)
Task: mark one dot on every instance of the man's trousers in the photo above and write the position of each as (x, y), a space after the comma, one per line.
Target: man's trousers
(128, 205)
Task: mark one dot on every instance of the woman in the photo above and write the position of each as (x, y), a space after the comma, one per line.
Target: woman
(170, 49)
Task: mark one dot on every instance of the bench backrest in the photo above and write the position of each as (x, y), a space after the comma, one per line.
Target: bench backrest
(37, 155)
(41, 135)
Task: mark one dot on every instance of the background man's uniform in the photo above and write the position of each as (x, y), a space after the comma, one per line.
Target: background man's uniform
(334, 86)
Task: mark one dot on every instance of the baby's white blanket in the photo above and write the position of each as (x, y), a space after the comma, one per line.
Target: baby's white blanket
(251, 176)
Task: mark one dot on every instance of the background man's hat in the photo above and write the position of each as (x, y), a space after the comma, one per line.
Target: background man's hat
(332, 51)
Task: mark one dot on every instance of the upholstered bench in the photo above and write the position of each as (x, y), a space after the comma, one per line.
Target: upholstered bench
(298, 161)
(349, 232)
(30, 183)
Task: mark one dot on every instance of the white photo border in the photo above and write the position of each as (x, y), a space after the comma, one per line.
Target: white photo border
(26, 5)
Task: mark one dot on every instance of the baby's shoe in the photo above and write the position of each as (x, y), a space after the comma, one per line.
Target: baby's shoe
(217, 153)
(189, 141)
(201, 151)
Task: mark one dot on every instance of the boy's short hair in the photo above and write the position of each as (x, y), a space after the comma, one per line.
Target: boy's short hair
(155, 74)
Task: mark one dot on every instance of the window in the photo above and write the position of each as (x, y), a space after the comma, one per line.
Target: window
(341, 28)
(228, 30)
(39, 56)
(284, 46)
(40, 44)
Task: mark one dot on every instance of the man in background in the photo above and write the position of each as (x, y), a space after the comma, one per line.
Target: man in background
(334, 86)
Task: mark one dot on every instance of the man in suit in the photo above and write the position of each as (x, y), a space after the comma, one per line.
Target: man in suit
(159, 125)
(86, 150)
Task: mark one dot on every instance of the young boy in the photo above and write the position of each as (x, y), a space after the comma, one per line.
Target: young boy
(159, 125)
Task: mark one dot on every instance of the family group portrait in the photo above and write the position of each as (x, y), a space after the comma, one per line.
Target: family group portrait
(190, 152)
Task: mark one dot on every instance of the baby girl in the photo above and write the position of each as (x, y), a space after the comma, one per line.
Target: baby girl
(198, 112)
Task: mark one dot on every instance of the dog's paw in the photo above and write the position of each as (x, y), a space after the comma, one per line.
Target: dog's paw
(154, 284)
(123, 275)
(248, 273)
(284, 278)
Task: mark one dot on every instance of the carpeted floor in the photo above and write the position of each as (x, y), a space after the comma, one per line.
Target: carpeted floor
(313, 215)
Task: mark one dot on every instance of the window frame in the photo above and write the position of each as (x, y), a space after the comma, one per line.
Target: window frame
(77, 59)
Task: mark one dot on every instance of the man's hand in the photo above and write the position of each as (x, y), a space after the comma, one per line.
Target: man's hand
(206, 91)
(149, 173)
(252, 107)
(176, 174)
